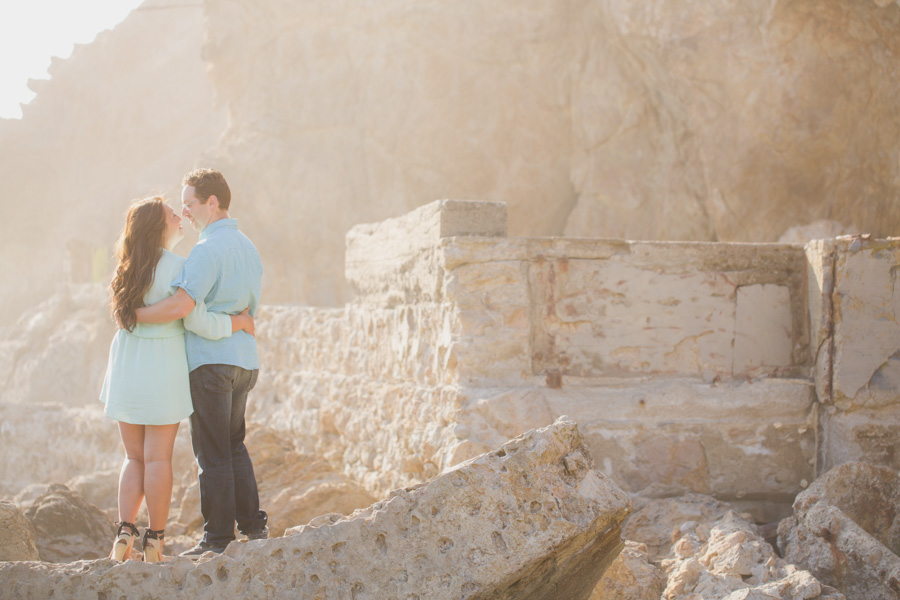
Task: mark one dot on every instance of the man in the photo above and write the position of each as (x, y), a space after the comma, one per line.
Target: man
(225, 271)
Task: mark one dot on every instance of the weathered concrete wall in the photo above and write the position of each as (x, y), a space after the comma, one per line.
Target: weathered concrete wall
(348, 385)
(855, 302)
(687, 365)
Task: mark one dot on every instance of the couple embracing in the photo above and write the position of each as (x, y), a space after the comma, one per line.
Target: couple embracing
(185, 347)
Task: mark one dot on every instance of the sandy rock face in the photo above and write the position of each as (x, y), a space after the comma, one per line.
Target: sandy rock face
(125, 116)
(675, 139)
(67, 528)
(846, 532)
(16, 535)
(530, 520)
(591, 119)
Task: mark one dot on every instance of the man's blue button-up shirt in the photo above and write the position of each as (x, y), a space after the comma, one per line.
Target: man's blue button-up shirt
(225, 271)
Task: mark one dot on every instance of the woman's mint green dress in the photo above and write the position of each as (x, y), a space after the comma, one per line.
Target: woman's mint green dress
(147, 375)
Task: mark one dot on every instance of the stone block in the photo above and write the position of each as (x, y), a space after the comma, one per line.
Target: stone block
(845, 531)
(529, 520)
(866, 314)
(398, 260)
(640, 309)
(748, 441)
(868, 435)
(614, 319)
(855, 310)
(763, 328)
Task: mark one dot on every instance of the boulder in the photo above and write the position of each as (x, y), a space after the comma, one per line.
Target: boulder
(799, 585)
(16, 535)
(846, 532)
(729, 559)
(68, 528)
(100, 488)
(530, 520)
(631, 577)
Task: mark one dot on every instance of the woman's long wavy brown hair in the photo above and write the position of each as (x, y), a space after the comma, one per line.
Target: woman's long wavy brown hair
(139, 249)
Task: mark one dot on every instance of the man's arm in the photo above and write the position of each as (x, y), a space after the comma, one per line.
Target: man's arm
(176, 306)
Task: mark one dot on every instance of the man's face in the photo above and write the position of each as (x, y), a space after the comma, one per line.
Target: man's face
(197, 212)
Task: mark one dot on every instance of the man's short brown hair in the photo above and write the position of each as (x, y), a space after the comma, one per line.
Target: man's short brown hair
(209, 182)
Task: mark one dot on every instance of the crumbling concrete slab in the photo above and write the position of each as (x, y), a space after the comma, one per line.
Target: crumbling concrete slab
(846, 532)
(531, 520)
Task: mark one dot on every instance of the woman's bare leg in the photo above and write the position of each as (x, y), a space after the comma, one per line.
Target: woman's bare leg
(159, 441)
(131, 477)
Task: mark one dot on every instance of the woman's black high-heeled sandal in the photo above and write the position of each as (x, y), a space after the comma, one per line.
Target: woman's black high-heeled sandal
(152, 544)
(125, 535)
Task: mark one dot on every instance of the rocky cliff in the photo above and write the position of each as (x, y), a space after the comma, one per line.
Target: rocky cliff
(674, 121)
(590, 118)
(123, 117)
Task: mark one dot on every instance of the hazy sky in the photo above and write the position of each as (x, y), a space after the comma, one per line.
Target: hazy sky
(31, 31)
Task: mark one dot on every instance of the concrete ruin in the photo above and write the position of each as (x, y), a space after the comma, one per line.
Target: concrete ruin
(531, 520)
(743, 371)
(739, 371)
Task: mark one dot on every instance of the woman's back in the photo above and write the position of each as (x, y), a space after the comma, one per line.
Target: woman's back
(168, 267)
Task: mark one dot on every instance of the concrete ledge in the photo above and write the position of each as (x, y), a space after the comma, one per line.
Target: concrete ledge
(396, 260)
(753, 442)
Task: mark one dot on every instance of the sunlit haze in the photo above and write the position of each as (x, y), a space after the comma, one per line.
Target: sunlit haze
(32, 32)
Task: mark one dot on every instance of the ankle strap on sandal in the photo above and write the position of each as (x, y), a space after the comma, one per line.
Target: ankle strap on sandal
(123, 525)
(154, 534)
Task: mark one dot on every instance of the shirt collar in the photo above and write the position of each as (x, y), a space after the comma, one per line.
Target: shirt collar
(220, 224)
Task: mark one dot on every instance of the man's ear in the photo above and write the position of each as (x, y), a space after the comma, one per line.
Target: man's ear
(213, 202)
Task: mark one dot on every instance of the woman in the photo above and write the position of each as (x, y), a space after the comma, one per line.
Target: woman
(146, 387)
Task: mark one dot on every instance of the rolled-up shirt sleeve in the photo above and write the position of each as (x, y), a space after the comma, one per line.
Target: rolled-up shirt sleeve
(198, 276)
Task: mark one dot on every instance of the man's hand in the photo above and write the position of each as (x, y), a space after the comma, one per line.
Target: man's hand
(244, 322)
(176, 306)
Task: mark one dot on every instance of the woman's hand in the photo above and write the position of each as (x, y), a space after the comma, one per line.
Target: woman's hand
(243, 322)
